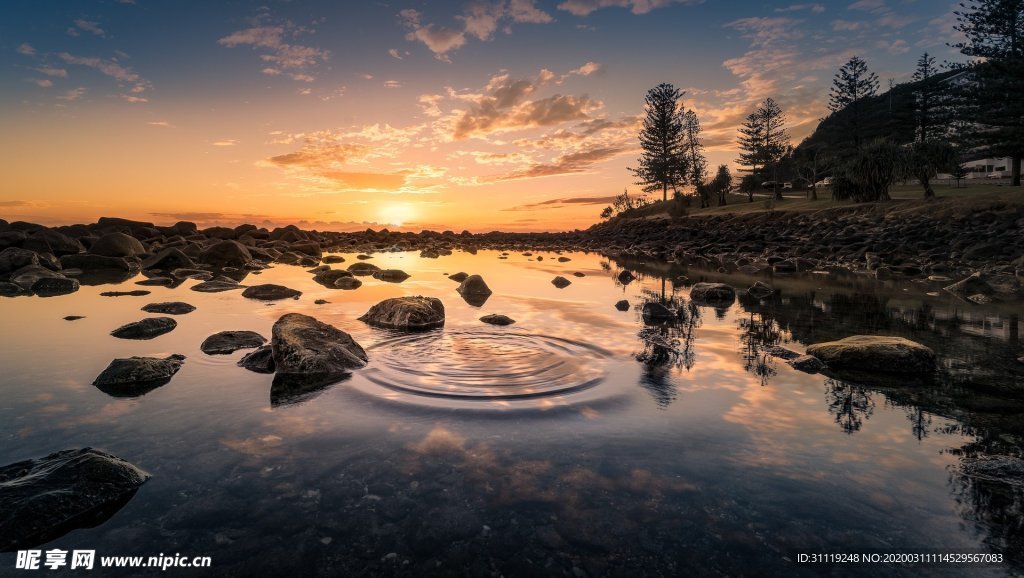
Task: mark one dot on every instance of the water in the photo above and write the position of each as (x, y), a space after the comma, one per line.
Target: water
(563, 443)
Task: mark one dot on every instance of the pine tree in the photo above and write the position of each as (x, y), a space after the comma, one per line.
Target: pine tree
(693, 152)
(926, 98)
(851, 85)
(763, 141)
(662, 164)
(993, 102)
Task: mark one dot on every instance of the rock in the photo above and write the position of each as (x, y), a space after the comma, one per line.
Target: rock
(28, 276)
(330, 277)
(169, 260)
(117, 245)
(270, 292)
(217, 285)
(564, 259)
(406, 313)
(347, 283)
(622, 305)
(995, 469)
(307, 248)
(875, 353)
(713, 294)
(332, 259)
(656, 313)
(760, 290)
(474, 291)
(495, 319)
(1002, 287)
(226, 253)
(578, 274)
(53, 286)
(73, 317)
(145, 329)
(626, 277)
(14, 258)
(561, 282)
(260, 361)
(157, 282)
(806, 364)
(50, 241)
(226, 342)
(11, 290)
(43, 499)
(189, 273)
(321, 302)
(783, 353)
(429, 254)
(134, 376)
(169, 308)
(308, 350)
(90, 262)
(363, 256)
(459, 277)
(391, 275)
(363, 269)
(133, 293)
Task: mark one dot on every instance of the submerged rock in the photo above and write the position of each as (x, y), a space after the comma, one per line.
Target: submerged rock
(260, 361)
(145, 329)
(307, 349)
(347, 283)
(362, 269)
(391, 275)
(496, 319)
(875, 353)
(806, 364)
(622, 305)
(270, 292)
(133, 293)
(45, 498)
(459, 277)
(407, 313)
(134, 376)
(217, 285)
(169, 308)
(331, 259)
(329, 277)
(626, 277)
(561, 282)
(655, 313)
(713, 294)
(226, 342)
(760, 290)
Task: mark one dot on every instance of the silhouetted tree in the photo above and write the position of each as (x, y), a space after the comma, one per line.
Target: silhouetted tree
(721, 184)
(851, 85)
(926, 158)
(927, 97)
(662, 164)
(763, 141)
(693, 151)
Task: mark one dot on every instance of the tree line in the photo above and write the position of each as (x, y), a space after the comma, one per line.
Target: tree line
(867, 142)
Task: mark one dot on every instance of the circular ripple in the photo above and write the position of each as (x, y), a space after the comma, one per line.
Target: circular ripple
(482, 366)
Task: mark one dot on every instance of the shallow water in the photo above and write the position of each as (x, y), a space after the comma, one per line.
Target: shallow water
(563, 443)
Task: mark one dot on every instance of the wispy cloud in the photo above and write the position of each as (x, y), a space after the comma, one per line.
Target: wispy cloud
(55, 72)
(26, 49)
(41, 82)
(160, 123)
(559, 203)
(272, 42)
(585, 7)
(87, 26)
(228, 142)
(480, 19)
(113, 69)
(73, 94)
(812, 7)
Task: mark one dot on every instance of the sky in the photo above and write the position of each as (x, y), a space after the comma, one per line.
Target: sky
(516, 115)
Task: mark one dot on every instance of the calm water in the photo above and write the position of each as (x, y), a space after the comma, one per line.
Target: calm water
(564, 443)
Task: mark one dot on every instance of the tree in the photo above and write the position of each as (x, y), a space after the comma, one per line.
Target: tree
(721, 184)
(763, 141)
(868, 176)
(992, 101)
(959, 173)
(623, 203)
(927, 158)
(813, 164)
(927, 97)
(851, 85)
(695, 163)
(661, 164)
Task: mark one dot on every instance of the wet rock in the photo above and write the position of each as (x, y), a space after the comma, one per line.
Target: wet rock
(561, 282)
(1001, 287)
(656, 313)
(578, 274)
(132, 293)
(363, 269)
(330, 277)
(73, 317)
(45, 498)
(157, 282)
(89, 262)
(169, 308)
(332, 259)
(15, 258)
(190, 273)
(54, 286)
(145, 329)
(307, 349)
(459, 277)
(407, 313)
(875, 353)
(217, 285)
(348, 283)
(429, 254)
(760, 290)
(169, 260)
(626, 277)
(27, 276)
(270, 292)
(713, 294)
(227, 253)
(622, 305)
(806, 364)
(321, 302)
(260, 361)
(135, 376)
(564, 259)
(50, 241)
(226, 342)
(391, 275)
(783, 353)
(496, 319)
(11, 290)
(363, 256)
(117, 245)
(474, 290)
(308, 248)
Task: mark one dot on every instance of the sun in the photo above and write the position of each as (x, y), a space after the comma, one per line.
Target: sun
(396, 214)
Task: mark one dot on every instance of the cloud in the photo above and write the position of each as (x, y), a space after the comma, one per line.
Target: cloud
(392, 84)
(134, 99)
(526, 11)
(559, 203)
(160, 123)
(55, 72)
(8, 204)
(89, 26)
(438, 39)
(895, 47)
(73, 94)
(112, 69)
(270, 41)
(393, 52)
(228, 142)
(26, 49)
(585, 7)
(847, 25)
(576, 162)
(588, 69)
(41, 82)
(867, 5)
(480, 19)
(815, 7)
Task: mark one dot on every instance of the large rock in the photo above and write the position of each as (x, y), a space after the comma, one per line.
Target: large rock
(391, 275)
(714, 294)
(45, 498)
(407, 313)
(90, 262)
(760, 290)
(656, 313)
(169, 260)
(50, 241)
(307, 349)
(117, 245)
(329, 277)
(474, 291)
(54, 286)
(260, 361)
(875, 353)
(270, 292)
(169, 308)
(497, 319)
(561, 282)
(363, 269)
(217, 285)
(14, 258)
(227, 253)
(226, 342)
(134, 376)
(145, 329)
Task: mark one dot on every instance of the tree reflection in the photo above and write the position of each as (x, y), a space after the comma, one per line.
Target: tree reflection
(667, 344)
(850, 403)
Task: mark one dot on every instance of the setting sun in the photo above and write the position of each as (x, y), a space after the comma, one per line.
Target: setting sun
(396, 214)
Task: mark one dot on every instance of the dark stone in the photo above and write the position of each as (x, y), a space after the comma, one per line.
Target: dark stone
(459, 277)
(133, 293)
(561, 282)
(11, 290)
(45, 498)
(14, 258)
(713, 294)
(656, 313)
(622, 305)
(329, 277)
(495, 319)
(226, 342)
(50, 241)
(260, 361)
(807, 364)
(169, 260)
(117, 245)
(53, 286)
(578, 274)
(626, 277)
(270, 292)
(564, 259)
(307, 349)
(391, 275)
(362, 269)
(169, 308)
(332, 259)
(321, 302)
(406, 313)
(760, 291)
(135, 376)
(227, 253)
(145, 329)
(783, 353)
(875, 353)
(74, 317)
(90, 262)
(217, 285)
(157, 282)
(348, 283)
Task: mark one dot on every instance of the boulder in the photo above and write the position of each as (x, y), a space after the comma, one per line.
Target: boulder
(50, 241)
(875, 353)
(91, 262)
(622, 305)
(332, 259)
(133, 293)
(45, 498)
(217, 285)
(1001, 287)
(226, 253)
(54, 286)
(406, 313)
(806, 364)
(362, 269)
(459, 277)
(117, 245)
(495, 319)
(564, 259)
(579, 274)
(270, 292)
(157, 282)
(134, 376)
(28, 276)
(260, 361)
(713, 294)
(305, 349)
(145, 329)
(329, 277)
(226, 342)
(169, 308)
(14, 258)
(474, 291)
(561, 282)
(169, 260)
(347, 283)
(626, 277)
(760, 290)
(391, 275)
(656, 313)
